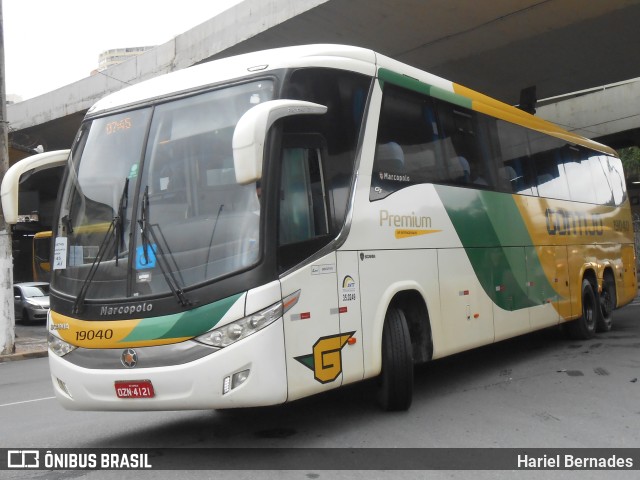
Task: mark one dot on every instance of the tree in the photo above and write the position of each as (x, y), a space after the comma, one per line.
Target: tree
(631, 162)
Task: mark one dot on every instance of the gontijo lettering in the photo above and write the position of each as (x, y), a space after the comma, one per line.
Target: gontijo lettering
(564, 222)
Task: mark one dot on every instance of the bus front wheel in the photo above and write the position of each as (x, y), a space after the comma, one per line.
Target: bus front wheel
(395, 384)
(584, 327)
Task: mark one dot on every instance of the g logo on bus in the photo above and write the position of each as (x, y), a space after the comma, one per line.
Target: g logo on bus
(326, 359)
(129, 358)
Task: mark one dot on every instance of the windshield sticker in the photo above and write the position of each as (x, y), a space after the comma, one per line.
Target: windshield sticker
(323, 269)
(348, 289)
(60, 253)
(146, 261)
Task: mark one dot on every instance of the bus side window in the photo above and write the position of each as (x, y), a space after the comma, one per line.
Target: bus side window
(548, 161)
(408, 148)
(468, 158)
(513, 160)
(613, 171)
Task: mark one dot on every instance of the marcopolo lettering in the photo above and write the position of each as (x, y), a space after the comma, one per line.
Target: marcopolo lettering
(126, 309)
(564, 222)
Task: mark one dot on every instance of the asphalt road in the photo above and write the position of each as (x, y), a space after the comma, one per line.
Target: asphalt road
(539, 390)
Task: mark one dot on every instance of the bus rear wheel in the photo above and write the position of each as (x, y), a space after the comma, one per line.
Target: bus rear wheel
(395, 384)
(607, 303)
(584, 327)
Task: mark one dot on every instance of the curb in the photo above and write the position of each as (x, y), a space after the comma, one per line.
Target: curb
(23, 356)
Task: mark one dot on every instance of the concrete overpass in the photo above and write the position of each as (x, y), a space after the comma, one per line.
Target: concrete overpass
(495, 46)
(609, 113)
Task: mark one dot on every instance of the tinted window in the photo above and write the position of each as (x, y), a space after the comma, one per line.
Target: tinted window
(601, 189)
(409, 148)
(513, 160)
(318, 161)
(422, 140)
(579, 176)
(614, 173)
(344, 94)
(465, 136)
(548, 163)
(303, 212)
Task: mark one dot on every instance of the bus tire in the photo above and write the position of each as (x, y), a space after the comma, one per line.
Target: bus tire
(395, 383)
(607, 303)
(584, 327)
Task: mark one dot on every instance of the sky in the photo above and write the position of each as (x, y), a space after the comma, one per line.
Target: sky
(52, 43)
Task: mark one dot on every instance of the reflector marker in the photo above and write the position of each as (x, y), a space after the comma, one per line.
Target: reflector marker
(336, 311)
(462, 293)
(300, 316)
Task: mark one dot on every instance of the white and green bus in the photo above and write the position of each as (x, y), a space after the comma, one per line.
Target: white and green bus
(261, 228)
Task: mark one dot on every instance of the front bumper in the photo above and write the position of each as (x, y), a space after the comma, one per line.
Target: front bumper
(197, 384)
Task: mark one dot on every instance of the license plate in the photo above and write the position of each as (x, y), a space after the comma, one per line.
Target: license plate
(134, 389)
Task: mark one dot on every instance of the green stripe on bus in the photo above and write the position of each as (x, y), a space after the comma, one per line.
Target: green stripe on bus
(385, 75)
(179, 325)
(459, 100)
(498, 246)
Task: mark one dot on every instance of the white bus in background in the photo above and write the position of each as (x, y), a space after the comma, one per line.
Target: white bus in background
(265, 227)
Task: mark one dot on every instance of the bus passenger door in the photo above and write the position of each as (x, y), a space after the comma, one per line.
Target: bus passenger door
(313, 340)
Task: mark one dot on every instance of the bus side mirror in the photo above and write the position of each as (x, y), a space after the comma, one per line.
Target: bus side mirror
(251, 131)
(11, 180)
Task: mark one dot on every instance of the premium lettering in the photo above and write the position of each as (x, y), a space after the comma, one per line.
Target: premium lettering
(404, 221)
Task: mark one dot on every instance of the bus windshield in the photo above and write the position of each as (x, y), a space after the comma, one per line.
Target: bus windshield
(151, 204)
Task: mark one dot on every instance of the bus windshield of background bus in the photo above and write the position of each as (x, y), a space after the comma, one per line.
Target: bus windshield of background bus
(152, 197)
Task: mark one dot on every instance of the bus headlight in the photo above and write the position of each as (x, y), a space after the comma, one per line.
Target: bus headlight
(234, 331)
(59, 346)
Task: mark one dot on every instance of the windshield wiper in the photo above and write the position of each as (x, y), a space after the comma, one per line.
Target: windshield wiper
(118, 220)
(146, 230)
(213, 232)
(116, 227)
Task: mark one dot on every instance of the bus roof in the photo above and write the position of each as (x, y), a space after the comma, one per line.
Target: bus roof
(225, 69)
(328, 55)
(399, 73)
